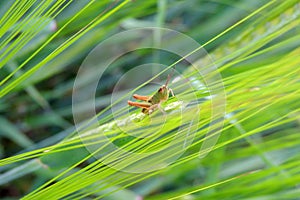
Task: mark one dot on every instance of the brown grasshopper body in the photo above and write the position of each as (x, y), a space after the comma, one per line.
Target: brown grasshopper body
(154, 101)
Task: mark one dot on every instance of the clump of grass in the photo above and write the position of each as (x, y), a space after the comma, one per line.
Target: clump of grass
(255, 157)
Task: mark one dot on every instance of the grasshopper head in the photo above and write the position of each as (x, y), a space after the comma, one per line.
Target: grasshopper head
(163, 92)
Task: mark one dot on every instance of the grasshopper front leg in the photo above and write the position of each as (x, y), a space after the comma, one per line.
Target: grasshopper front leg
(171, 91)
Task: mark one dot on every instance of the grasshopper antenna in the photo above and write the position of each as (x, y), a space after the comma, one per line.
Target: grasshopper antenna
(169, 77)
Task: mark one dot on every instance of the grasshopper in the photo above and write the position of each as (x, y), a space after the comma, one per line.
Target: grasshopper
(154, 101)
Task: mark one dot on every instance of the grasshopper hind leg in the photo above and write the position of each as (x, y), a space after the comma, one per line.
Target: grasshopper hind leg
(145, 111)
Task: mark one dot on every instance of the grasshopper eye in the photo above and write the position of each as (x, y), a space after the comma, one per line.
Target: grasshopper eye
(162, 88)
